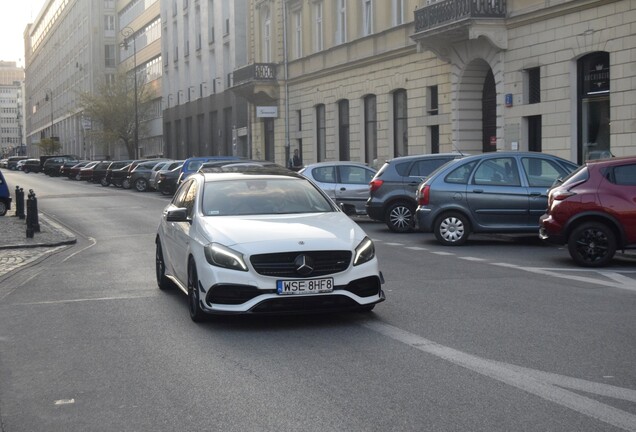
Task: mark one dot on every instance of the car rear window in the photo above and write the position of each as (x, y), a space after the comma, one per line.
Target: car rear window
(624, 175)
(576, 177)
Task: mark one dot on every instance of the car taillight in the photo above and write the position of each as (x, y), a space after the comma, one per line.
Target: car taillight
(374, 185)
(423, 195)
(558, 195)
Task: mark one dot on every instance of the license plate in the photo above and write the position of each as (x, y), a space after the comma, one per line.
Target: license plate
(304, 286)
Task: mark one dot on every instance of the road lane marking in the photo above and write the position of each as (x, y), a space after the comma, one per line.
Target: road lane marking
(52, 302)
(416, 248)
(472, 259)
(550, 387)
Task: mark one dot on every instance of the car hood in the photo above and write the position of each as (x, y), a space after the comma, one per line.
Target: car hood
(270, 233)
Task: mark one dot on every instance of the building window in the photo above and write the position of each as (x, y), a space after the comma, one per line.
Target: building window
(109, 23)
(400, 123)
(267, 36)
(534, 133)
(594, 106)
(343, 130)
(298, 34)
(109, 4)
(318, 34)
(109, 55)
(370, 130)
(321, 144)
(534, 85)
(432, 100)
(367, 17)
(341, 21)
(398, 12)
(434, 137)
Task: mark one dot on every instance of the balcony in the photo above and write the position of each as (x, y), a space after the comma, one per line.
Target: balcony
(450, 21)
(256, 82)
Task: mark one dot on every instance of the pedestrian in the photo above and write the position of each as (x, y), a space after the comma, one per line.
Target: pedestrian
(295, 162)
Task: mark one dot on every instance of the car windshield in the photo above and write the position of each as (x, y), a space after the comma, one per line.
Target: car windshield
(263, 196)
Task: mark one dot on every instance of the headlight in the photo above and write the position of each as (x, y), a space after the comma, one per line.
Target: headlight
(221, 256)
(364, 252)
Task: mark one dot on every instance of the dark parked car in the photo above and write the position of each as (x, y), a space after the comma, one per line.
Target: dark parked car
(51, 166)
(116, 172)
(86, 172)
(100, 171)
(140, 175)
(5, 196)
(498, 192)
(12, 161)
(594, 211)
(347, 183)
(167, 180)
(392, 189)
(161, 167)
(31, 166)
(72, 171)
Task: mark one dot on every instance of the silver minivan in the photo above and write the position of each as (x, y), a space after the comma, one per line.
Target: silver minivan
(498, 192)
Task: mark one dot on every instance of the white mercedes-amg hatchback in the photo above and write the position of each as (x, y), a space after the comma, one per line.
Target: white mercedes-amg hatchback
(263, 240)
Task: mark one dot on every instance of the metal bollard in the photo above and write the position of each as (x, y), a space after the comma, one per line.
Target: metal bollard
(36, 218)
(19, 202)
(29, 217)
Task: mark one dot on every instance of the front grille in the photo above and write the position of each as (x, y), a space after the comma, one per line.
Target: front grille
(284, 264)
(313, 304)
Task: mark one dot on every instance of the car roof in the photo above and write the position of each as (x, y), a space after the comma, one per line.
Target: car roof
(319, 164)
(232, 172)
(611, 161)
(425, 155)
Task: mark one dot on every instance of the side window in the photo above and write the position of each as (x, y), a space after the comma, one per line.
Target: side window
(625, 175)
(190, 197)
(541, 172)
(498, 172)
(325, 174)
(180, 195)
(461, 174)
(424, 167)
(354, 175)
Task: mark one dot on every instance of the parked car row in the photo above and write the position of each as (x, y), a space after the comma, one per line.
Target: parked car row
(591, 209)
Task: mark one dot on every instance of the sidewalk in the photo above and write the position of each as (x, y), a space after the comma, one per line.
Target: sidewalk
(17, 250)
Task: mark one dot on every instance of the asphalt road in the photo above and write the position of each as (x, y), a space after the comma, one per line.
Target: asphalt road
(503, 334)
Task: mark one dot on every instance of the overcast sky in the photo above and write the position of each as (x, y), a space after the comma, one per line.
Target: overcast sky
(15, 17)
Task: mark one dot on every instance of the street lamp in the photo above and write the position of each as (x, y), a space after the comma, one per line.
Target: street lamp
(128, 33)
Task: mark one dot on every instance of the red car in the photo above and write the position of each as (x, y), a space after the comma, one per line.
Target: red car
(594, 211)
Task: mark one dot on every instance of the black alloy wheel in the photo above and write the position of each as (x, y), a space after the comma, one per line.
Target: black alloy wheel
(160, 268)
(141, 184)
(592, 244)
(196, 313)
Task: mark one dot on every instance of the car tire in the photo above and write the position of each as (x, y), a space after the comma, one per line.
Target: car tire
(366, 309)
(166, 192)
(126, 184)
(3, 208)
(452, 229)
(141, 185)
(592, 244)
(399, 217)
(196, 313)
(160, 268)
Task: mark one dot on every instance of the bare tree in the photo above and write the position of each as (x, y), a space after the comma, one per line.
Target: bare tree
(112, 109)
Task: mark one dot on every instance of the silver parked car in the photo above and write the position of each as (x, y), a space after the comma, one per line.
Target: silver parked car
(502, 192)
(347, 183)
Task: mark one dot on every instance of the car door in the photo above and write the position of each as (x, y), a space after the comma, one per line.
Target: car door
(177, 234)
(325, 177)
(496, 197)
(352, 185)
(539, 174)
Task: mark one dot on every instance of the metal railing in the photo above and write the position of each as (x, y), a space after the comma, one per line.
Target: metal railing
(255, 72)
(450, 11)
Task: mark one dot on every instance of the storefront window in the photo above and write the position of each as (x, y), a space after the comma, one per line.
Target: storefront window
(594, 107)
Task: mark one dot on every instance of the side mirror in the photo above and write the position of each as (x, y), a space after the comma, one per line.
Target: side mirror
(177, 215)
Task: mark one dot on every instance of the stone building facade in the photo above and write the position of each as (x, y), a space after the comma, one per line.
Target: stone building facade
(368, 80)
